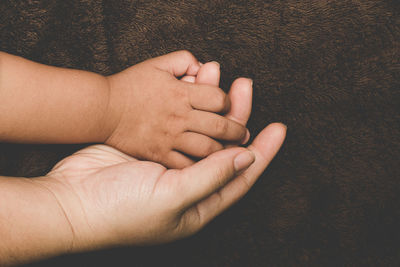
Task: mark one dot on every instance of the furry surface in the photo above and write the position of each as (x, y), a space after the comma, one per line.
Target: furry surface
(327, 69)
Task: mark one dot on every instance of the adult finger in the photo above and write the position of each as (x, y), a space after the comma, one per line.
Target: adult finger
(209, 74)
(240, 96)
(177, 63)
(264, 147)
(210, 174)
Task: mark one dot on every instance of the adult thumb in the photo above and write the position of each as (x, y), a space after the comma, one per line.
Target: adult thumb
(177, 63)
(210, 174)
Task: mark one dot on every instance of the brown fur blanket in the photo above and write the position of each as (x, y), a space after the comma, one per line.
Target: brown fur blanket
(328, 69)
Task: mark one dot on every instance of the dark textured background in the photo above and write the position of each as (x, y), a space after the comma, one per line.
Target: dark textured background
(328, 69)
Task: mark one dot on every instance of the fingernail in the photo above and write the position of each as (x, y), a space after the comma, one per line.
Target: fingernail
(246, 138)
(284, 125)
(243, 160)
(215, 62)
(201, 64)
(250, 79)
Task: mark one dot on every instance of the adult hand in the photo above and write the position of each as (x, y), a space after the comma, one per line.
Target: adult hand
(110, 198)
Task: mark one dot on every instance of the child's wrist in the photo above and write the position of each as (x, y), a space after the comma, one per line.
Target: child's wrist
(112, 113)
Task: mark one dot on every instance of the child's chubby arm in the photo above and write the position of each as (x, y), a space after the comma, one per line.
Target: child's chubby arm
(144, 111)
(44, 104)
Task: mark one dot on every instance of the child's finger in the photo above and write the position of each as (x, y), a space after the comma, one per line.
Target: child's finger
(176, 160)
(196, 145)
(208, 98)
(177, 63)
(189, 79)
(209, 73)
(215, 126)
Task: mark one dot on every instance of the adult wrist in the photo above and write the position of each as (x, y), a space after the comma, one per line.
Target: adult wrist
(36, 226)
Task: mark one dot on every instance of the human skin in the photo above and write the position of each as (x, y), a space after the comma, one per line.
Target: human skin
(73, 208)
(100, 197)
(144, 111)
(240, 93)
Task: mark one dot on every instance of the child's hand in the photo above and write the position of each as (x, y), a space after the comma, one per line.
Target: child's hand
(154, 116)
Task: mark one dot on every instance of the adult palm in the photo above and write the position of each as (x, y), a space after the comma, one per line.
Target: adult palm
(110, 198)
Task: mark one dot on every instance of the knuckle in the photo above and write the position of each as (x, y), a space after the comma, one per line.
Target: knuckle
(220, 100)
(238, 133)
(242, 132)
(174, 121)
(219, 178)
(179, 189)
(186, 54)
(221, 127)
(180, 94)
(207, 149)
(155, 154)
